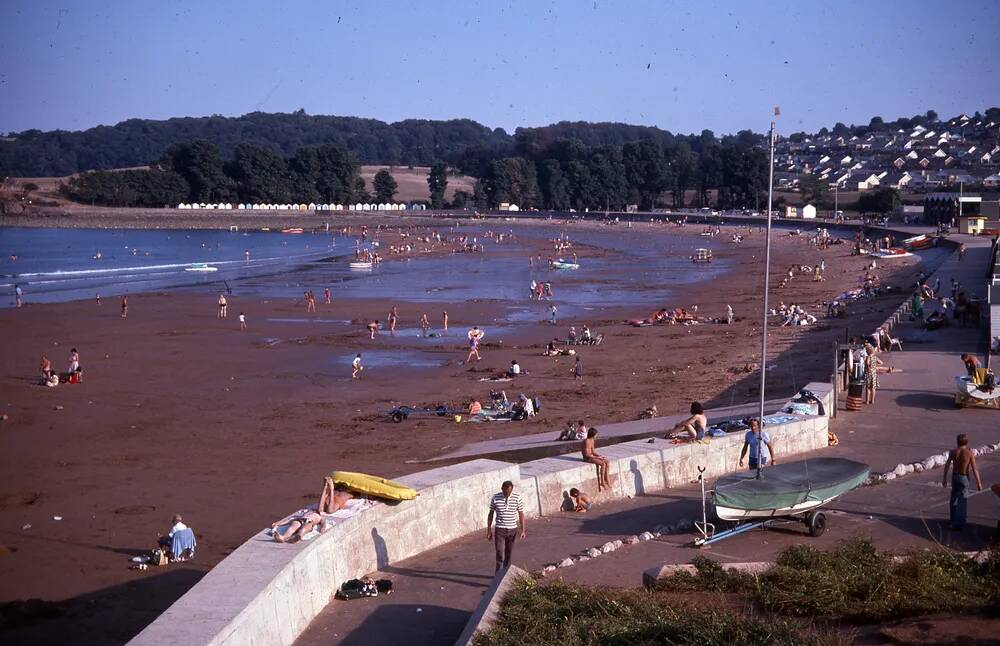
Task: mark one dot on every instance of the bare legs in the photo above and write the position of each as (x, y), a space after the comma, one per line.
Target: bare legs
(603, 477)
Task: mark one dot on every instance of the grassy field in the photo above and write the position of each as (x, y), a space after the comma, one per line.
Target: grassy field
(413, 182)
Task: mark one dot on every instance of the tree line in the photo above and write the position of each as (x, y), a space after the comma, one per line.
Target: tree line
(559, 175)
(197, 172)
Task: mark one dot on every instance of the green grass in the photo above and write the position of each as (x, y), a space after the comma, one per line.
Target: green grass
(857, 582)
(807, 597)
(559, 614)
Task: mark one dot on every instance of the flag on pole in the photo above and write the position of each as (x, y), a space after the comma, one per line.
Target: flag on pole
(777, 111)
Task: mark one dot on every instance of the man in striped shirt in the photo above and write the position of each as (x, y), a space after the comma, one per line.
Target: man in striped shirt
(509, 510)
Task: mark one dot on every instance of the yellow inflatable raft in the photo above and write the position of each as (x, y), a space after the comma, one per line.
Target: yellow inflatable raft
(372, 485)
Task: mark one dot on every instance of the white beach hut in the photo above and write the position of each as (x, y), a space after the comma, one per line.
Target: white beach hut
(808, 212)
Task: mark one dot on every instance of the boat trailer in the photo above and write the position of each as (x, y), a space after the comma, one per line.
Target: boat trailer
(814, 519)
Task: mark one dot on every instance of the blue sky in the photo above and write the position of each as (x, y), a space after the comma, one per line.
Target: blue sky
(682, 66)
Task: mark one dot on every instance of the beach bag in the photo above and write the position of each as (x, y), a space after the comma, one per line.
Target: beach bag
(158, 557)
(357, 588)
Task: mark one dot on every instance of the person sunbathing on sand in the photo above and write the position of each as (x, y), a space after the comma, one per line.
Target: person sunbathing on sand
(298, 527)
(333, 497)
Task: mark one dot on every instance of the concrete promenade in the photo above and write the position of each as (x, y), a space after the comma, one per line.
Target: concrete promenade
(913, 417)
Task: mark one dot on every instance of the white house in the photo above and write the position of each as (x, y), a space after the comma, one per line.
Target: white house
(808, 212)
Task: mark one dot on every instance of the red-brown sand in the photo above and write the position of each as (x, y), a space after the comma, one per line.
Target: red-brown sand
(181, 412)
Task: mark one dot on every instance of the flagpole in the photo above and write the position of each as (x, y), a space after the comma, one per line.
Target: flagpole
(767, 283)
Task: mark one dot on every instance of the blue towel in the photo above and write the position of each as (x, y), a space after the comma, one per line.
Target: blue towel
(183, 540)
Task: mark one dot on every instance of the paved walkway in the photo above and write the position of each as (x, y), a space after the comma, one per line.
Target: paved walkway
(913, 417)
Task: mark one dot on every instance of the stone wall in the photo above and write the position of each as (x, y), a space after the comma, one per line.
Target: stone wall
(267, 593)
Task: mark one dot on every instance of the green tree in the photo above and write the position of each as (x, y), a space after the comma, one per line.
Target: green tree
(554, 186)
(385, 186)
(876, 124)
(479, 195)
(814, 190)
(646, 172)
(461, 200)
(437, 182)
(201, 166)
(880, 200)
(513, 180)
(261, 176)
(932, 116)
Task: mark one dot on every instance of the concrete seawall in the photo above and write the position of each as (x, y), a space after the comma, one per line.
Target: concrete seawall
(268, 593)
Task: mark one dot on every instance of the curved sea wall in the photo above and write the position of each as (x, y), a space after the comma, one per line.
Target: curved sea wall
(268, 593)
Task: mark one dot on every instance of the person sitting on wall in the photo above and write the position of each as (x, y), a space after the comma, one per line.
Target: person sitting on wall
(694, 426)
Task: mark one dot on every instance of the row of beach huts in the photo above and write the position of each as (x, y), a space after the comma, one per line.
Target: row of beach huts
(226, 206)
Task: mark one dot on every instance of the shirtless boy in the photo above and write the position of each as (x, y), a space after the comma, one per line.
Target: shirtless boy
(591, 455)
(964, 461)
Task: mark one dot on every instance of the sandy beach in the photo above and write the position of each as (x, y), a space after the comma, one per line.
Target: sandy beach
(180, 411)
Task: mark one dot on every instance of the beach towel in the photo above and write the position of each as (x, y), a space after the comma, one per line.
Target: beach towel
(181, 542)
(352, 508)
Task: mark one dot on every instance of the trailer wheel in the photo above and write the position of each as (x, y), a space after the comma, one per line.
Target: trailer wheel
(817, 523)
(397, 417)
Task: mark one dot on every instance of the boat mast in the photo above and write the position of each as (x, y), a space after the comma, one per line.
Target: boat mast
(767, 282)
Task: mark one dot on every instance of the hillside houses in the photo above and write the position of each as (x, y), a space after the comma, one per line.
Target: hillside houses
(961, 150)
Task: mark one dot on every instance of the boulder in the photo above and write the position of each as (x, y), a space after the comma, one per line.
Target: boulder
(900, 470)
(645, 536)
(566, 562)
(928, 464)
(608, 547)
(889, 476)
(617, 543)
(581, 559)
(548, 568)
(631, 540)
(593, 552)
(917, 467)
(908, 468)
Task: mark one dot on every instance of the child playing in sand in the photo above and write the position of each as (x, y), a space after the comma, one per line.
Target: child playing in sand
(581, 502)
(356, 367)
(243, 321)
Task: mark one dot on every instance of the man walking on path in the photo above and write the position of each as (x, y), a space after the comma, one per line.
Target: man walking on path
(508, 508)
(964, 460)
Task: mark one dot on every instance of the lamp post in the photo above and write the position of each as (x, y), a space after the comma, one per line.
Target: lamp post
(767, 283)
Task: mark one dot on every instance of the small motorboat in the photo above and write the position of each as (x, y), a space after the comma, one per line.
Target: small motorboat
(892, 253)
(293, 230)
(916, 243)
(202, 267)
(702, 255)
(562, 264)
(360, 265)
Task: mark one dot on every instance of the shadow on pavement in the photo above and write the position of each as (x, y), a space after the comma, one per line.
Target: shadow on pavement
(408, 624)
(112, 615)
(633, 521)
(926, 401)
(469, 579)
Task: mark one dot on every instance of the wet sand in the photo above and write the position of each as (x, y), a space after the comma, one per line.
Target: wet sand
(181, 412)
